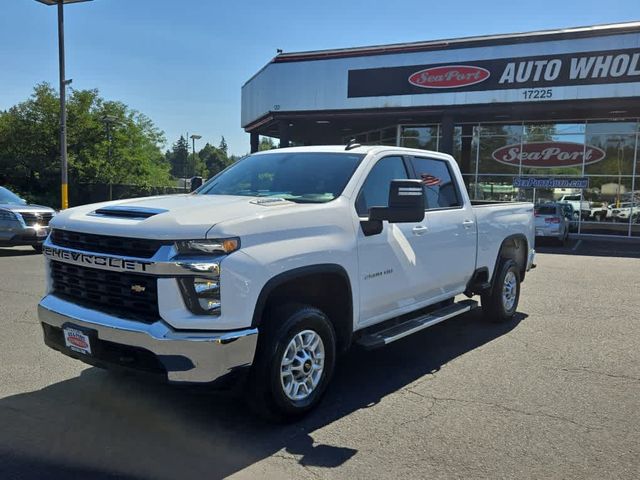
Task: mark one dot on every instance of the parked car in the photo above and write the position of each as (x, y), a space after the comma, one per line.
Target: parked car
(581, 208)
(601, 213)
(552, 221)
(279, 263)
(22, 223)
(625, 212)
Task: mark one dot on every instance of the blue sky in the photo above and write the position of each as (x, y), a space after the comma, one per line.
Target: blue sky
(182, 62)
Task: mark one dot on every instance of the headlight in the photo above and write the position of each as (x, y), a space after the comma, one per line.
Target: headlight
(7, 215)
(201, 295)
(208, 247)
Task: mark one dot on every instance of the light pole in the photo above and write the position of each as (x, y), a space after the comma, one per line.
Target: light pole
(63, 108)
(109, 121)
(194, 137)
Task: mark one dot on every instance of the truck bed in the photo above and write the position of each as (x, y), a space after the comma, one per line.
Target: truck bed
(499, 220)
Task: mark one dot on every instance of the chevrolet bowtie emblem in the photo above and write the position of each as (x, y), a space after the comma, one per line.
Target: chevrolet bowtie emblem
(138, 288)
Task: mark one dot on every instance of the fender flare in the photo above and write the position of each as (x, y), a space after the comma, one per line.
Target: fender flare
(516, 236)
(299, 272)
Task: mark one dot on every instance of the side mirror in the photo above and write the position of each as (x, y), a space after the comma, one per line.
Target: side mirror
(196, 183)
(406, 205)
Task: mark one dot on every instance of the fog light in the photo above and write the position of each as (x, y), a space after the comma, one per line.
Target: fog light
(208, 293)
(201, 295)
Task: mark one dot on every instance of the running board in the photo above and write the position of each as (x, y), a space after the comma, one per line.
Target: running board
(413, 325)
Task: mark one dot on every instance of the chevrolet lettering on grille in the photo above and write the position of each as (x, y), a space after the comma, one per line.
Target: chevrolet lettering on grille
(107, 263)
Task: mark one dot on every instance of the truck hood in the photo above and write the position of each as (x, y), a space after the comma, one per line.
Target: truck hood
(170, 217)
(26, 208)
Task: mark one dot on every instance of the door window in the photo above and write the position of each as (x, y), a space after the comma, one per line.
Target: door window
(439, 187)
(375, 191)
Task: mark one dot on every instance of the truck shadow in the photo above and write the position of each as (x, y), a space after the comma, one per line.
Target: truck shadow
(103, 425)
(17, 252)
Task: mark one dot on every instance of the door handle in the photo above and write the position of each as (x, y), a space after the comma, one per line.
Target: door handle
(419, 230)
(467, 223)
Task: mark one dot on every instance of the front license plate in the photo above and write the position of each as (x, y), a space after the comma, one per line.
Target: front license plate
(77, 340)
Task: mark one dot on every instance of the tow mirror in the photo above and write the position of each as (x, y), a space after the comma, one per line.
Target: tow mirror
(406, 205)
(195, 183)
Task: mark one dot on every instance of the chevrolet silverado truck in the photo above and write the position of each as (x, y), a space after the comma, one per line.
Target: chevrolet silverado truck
(278, 264)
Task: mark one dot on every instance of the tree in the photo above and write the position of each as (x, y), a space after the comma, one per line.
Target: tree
(266, 143)
(223, 146)
(215, 159)
(29, 144)
(178, 157)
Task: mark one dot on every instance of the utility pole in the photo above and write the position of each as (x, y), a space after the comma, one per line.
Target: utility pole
(64, 181)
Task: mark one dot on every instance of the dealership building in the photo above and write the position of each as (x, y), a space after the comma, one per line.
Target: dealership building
(529, 116)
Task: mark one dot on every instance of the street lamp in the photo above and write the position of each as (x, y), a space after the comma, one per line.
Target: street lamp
(194, 137)
(63, 85)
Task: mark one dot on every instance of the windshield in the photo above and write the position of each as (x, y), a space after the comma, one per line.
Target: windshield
(299, 177)
(8, 197)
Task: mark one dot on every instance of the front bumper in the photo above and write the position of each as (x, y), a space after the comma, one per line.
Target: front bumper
(26, 236)
(192, 357)
(548, 232)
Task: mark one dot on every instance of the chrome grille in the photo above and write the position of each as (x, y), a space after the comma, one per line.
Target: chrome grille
(126, 295)
(32, 218)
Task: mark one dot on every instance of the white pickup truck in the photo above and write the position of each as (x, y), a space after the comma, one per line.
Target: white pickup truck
(278, 264)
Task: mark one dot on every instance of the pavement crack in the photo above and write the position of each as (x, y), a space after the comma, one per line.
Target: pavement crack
(595, 372)
(514, 410)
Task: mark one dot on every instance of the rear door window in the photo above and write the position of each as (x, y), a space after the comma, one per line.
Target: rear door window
(439, 187)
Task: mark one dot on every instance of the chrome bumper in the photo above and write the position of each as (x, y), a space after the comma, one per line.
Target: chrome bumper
(204, 357)
(531, 259)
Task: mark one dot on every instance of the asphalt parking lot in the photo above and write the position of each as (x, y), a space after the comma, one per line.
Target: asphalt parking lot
(554, 394)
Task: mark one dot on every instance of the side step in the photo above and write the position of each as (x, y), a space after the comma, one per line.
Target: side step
(412, 325)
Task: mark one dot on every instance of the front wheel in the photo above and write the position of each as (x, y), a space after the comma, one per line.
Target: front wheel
(293, 363)
(501, 302)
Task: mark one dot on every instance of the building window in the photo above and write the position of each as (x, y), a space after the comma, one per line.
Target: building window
(424, 137)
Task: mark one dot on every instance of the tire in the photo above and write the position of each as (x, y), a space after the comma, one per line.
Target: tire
(37, 248)
(268, 392)
(493, 307)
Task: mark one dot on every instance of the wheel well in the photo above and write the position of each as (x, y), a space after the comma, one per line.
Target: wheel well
(514, 248)
(328, 290)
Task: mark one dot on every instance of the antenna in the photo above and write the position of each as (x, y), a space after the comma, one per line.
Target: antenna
(351, 144)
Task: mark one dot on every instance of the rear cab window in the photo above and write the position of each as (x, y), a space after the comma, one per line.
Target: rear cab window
(546, 210)
(440, 189)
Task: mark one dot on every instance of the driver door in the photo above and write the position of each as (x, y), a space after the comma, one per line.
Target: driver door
(388, 262)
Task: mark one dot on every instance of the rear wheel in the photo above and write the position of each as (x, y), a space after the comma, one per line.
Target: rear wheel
(37, 248)
(501, 302)
(293, 364)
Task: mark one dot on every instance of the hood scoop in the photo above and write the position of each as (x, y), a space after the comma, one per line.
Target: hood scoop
(121, 211)
(267, 202)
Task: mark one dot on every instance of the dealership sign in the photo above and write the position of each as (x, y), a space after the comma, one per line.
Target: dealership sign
(449, 76)
(548, 154)
(550, 182)
(585, 68)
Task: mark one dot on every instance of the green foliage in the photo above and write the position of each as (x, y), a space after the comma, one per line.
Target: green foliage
(206, 163)
(266, 143)
(29, 144)
(178, 157)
